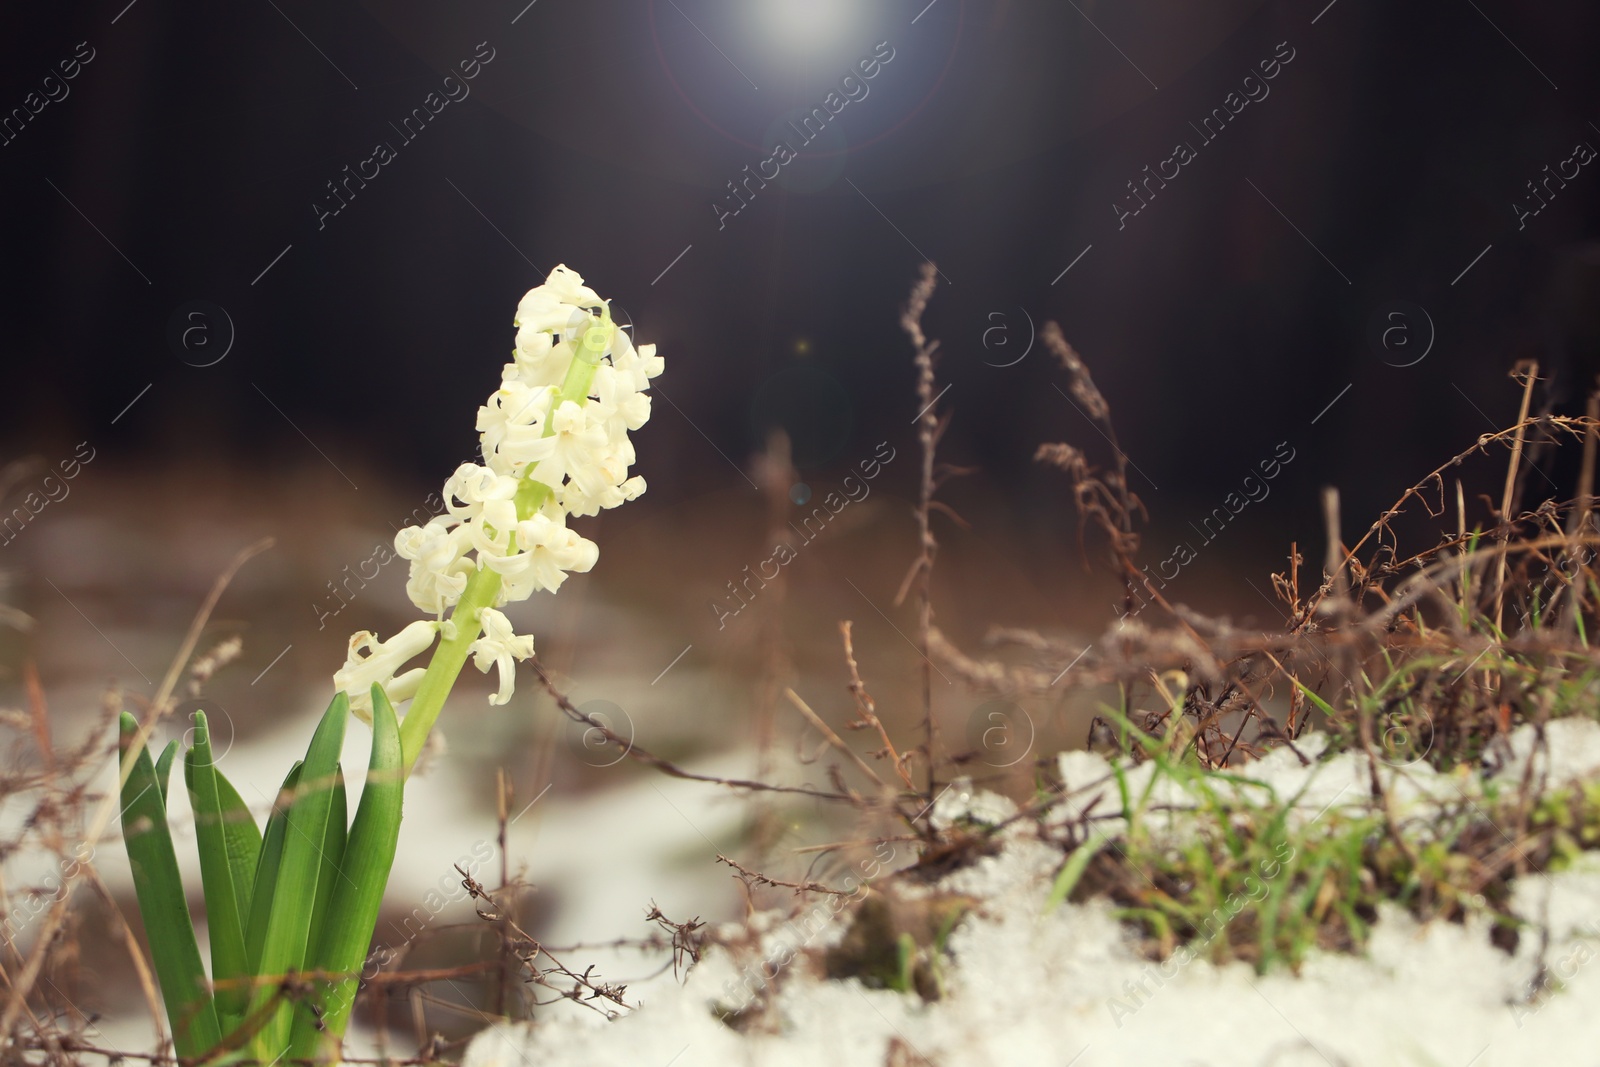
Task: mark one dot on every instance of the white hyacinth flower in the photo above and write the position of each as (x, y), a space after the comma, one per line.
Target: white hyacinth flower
(550, 306)
(512, 422)
(581, 450)
(577, 502)
(439, 563)
(624, 406)
(371, 660)
(471, 487)
(554, 441)
(500, 647)
(640, 364)
(548, 552)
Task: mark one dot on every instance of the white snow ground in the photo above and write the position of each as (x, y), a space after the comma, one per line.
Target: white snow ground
(1067, 989)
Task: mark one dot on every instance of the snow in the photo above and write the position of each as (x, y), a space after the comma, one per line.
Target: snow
(1340, 783)
(1069, 988)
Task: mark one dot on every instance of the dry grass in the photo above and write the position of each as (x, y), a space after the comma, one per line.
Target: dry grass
(1403, 654)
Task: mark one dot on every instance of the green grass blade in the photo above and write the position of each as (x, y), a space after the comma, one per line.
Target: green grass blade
(159, 888)
(1322, 705)
(228, 840)
(294, 893)
(1071, 871)
(368, 856)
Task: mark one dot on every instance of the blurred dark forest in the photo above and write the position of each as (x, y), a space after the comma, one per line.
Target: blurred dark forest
(1414, 160)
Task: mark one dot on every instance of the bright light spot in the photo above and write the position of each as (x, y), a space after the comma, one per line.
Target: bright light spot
(806, 25)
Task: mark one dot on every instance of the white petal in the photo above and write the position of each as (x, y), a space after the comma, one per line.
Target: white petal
(372, 661)
(500, 647)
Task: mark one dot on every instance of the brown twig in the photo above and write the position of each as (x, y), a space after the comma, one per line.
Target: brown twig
(667, 767)
(930, 427)
(833, 738)
(147, 982)
(798, 887)
(1530, 374)
(527, 950)
(1435, 479)
(1108, 500)
(502, 801)
(1582, 514)
(867, 710)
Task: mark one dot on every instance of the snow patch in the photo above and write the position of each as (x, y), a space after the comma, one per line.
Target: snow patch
(1069, 987)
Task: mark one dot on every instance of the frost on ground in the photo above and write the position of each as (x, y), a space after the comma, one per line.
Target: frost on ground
(1023, 985)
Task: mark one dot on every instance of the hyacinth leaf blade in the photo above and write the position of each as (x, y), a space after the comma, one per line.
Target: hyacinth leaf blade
(162, 904)
(228, 842)
(357, 895)
(267, 863)
(328, 876)
(164, 767)
(294, 893)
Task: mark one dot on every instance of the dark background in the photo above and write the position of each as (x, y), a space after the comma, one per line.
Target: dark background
(1219, 321)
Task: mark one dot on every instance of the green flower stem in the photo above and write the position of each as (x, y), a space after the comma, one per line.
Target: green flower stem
(484, 586)
(445, 667)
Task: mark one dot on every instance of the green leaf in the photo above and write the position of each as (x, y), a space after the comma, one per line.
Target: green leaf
(266, 879)
(904, 980)
(294, 894)
(328, 873)
(159, 888)
(357, 894)
(244, 842)
(228, 840)
(164, 768)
